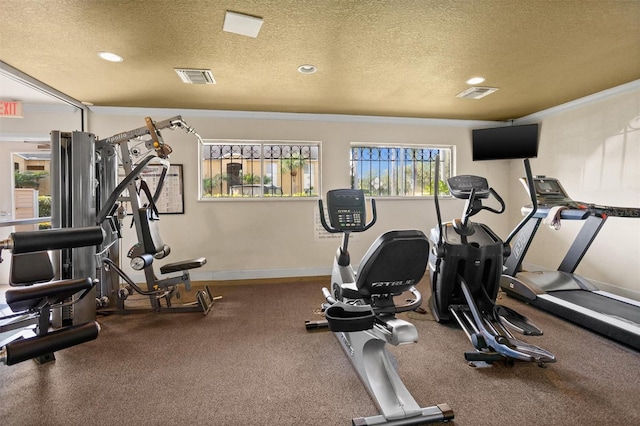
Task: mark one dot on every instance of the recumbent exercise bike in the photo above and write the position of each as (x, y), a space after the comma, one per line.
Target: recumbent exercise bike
(465, 265)
(360, 307)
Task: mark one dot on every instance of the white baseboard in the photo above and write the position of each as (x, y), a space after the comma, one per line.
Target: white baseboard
(247, 274)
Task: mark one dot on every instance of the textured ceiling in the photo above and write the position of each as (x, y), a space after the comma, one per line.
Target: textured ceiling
(388, 58)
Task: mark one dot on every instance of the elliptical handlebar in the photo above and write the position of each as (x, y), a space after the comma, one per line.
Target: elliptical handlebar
(474, 189)
(499, 199)
(436, 201)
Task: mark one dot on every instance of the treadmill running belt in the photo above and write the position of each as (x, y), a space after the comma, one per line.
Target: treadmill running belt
(599, 303)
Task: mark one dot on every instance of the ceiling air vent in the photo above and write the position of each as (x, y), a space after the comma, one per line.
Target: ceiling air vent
(193, 76)
(476, 92)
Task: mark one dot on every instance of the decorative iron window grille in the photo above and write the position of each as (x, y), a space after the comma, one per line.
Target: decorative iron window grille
(397, 171)
(254, 169)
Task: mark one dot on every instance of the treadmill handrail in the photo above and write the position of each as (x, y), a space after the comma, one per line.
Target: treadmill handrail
(612, 211)
(534, 203)
(565, 214)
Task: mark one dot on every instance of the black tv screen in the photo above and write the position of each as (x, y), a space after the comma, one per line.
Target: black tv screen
(505, 143)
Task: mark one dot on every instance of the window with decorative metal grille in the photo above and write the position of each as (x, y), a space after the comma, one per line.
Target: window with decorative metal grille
(259, 169)
(399, 171)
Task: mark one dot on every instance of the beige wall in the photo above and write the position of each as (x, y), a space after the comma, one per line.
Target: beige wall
(264, 238)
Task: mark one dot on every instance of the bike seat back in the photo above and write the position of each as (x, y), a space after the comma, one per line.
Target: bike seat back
(394, 263)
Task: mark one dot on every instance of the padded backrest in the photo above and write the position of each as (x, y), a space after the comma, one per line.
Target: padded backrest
(395, 262)
(151, 240)
(30, 268)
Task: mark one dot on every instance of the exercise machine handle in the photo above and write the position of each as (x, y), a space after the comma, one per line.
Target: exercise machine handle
(499, 199)
(25, 349)
(325, 225)
(327, 295)
(411, 305)
(108, 205)
(53, 239)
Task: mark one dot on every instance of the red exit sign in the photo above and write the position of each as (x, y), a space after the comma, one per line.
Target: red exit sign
(10, 109)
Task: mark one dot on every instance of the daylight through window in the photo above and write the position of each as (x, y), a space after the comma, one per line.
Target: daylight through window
(398, 170)
(256, 169)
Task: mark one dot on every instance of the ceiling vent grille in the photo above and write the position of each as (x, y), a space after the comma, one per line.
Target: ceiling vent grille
(476, 92)
(195, 76)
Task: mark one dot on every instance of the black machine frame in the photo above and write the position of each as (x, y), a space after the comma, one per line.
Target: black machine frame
(465, 267)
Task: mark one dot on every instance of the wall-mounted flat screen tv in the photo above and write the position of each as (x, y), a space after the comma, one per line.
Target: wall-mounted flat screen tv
(505, 143)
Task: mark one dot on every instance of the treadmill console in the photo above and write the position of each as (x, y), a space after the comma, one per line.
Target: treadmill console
(461, 186)
(549, 192)
(347, 210)
(549, 188)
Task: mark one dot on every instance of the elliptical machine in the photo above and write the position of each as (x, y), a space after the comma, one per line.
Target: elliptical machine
(360, 307)
(465, 265)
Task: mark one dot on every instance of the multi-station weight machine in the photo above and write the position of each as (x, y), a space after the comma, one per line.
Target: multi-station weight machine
(86, 193)
(87, 212)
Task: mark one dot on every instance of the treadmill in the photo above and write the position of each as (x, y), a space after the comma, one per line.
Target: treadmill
(562, 292)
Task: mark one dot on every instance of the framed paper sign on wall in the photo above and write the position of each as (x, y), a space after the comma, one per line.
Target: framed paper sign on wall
(171, 199)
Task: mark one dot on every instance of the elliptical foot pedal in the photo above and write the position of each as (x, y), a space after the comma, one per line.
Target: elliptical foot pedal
(488, 357)
(516, 321)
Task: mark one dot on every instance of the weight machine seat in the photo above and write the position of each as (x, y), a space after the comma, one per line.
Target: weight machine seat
(394, 263)
(26, 298)
(183, 265)
(30, 268)
(153, 245)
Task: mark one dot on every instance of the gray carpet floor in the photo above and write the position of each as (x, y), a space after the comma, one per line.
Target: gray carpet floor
(251, 362)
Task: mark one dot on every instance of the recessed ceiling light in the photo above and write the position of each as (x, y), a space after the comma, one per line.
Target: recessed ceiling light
(111, 57)
(475, 80)
(307, 69)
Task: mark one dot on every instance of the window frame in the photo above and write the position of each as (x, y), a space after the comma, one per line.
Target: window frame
(265, 165)
(395, 145)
